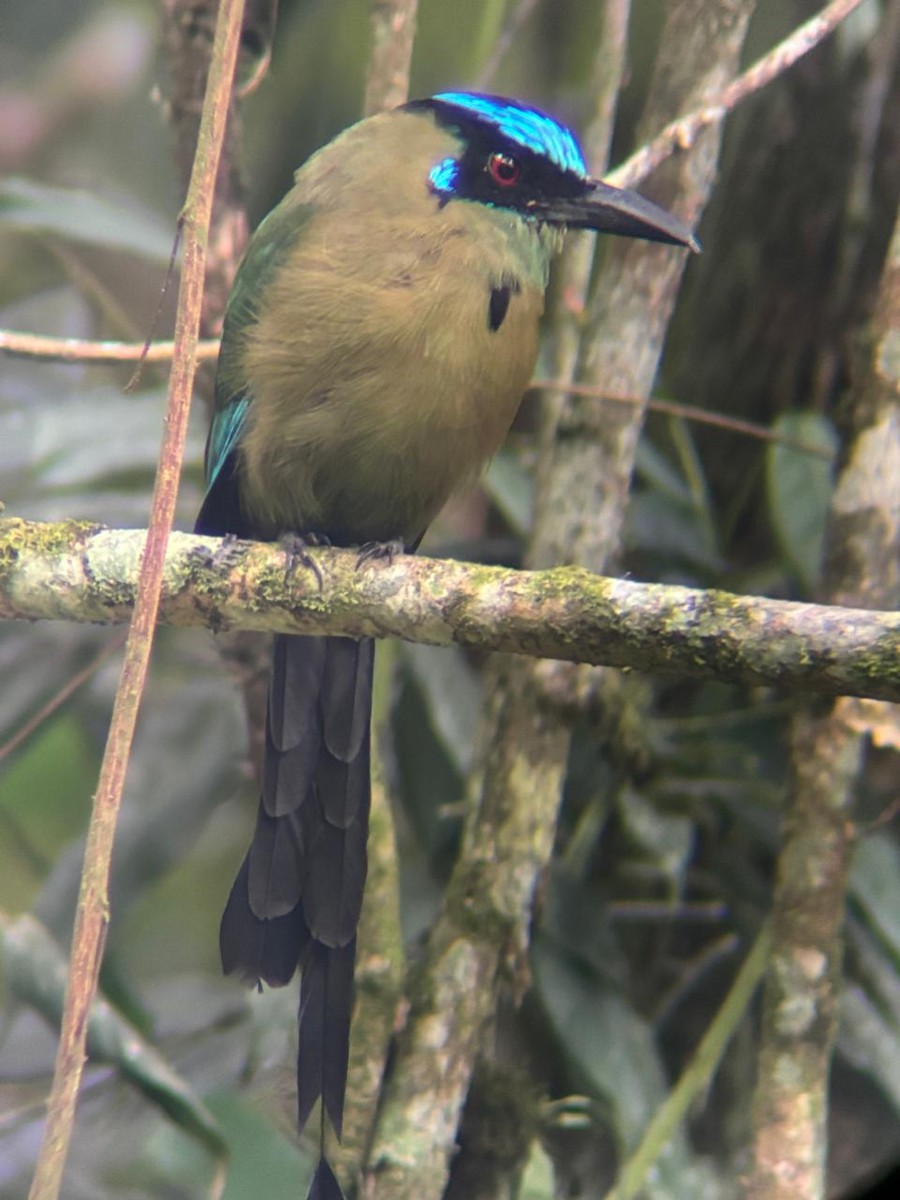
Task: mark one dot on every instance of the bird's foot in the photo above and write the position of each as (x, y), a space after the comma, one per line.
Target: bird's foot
(296, 546)
(372, 550)
(226, 551)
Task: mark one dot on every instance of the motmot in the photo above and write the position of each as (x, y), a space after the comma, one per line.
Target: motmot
(381, 331)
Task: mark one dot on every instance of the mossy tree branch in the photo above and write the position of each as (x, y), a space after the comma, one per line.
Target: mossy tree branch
(82, 572)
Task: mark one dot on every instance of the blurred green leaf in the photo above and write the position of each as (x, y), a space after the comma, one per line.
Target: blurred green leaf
(537, 1180)
(35, 972)
(105, 435)
(666, 839)
(44, 801)
(612, 1052)
(261, 1161)
(668, 515)
(72, 443)
(875, 888)
(192, 728)
(511, 488)
(656, 526)
(798, 489)
(874, 966)
(430, 754)
(871, 1042)
(610, 1048)
(453, 694)
(653, 468)
(84, 217)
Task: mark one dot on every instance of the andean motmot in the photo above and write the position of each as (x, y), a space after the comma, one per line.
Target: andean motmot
(381, 331)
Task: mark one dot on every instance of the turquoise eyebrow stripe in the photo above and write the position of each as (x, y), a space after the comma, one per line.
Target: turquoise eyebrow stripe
(529, 127)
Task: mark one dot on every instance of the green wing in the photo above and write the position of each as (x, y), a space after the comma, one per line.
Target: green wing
(268, 249)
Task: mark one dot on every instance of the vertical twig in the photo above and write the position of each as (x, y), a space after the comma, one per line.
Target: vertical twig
(187, 36)
(393, 30)
(92, 914)
(571, 295)
(510, 30)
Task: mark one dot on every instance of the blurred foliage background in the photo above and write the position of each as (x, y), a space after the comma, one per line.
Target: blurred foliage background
(670, 823)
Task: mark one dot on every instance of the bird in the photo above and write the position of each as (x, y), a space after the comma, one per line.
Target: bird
(380, 333)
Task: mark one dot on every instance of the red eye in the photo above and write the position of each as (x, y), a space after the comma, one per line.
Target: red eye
(504, 171)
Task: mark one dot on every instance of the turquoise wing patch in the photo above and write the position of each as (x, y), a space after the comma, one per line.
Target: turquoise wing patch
(268, 249)
(224, 434)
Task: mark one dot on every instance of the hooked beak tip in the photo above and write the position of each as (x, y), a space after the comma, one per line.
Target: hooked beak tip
(620, 211)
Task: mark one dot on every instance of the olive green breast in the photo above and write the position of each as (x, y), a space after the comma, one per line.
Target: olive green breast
(391, 345)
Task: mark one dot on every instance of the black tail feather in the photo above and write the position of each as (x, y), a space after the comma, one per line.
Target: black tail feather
(256, 949)
(326, 1006)
(274, 884)
(324, 1186)
(299, 892)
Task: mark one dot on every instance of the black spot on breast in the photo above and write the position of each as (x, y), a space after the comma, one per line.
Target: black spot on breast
(498, 305)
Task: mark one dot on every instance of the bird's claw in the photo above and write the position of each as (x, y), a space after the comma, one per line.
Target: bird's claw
(296, 546)
(226, 551)
(372, 550)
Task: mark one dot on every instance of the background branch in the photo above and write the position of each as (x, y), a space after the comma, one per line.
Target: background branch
(608, 331)
(380, 971)
(804, 984)
(681, 133)
(78, 350)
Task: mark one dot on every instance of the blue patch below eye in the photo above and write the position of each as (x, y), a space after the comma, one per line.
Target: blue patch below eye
(532, 129)
(443, 177)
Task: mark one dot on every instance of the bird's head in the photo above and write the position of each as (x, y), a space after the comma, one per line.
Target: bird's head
(518, 158)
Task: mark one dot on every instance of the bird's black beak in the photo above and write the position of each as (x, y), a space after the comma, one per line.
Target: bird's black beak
(627, 214)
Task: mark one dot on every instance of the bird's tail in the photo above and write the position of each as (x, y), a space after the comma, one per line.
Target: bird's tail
(298, 895)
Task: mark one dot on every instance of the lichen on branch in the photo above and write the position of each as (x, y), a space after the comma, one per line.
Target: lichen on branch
(81, 572)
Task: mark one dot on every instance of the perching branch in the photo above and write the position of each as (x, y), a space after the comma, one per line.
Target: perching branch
(81, 572)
